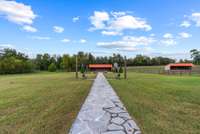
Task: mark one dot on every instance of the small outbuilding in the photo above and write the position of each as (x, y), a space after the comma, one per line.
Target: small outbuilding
(100, 67)
(179, 67)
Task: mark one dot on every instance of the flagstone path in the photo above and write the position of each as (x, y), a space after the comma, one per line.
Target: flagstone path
(103, 112)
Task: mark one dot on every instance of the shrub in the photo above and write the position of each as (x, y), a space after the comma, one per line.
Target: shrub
(52, 67)
(82, 69)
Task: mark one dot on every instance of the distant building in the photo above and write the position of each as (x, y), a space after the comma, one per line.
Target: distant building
(179, 67)
(100, 67)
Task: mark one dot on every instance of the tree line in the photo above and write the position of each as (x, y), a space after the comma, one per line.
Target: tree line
(12, 62)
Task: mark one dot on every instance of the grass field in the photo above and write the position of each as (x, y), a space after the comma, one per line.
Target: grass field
(158, 69)
(162, 104)
(42, 103)
(146, 69)
(47, 103)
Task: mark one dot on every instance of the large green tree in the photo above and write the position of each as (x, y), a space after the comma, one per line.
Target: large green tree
(195, 55)
(65, 64)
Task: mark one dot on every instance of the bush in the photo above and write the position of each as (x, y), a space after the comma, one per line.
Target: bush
(82, 69)
(52, 67)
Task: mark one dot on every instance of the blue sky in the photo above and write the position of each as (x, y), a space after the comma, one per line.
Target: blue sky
(154, 28)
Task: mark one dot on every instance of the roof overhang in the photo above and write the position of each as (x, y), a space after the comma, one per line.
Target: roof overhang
(100, 65)
(181, 65)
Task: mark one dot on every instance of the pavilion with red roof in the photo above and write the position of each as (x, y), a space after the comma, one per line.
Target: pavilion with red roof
(179, 67)
(100, 67)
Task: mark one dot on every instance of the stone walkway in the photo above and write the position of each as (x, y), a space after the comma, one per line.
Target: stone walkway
(103, 112)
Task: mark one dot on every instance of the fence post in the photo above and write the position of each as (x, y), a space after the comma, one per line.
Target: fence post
(76, 67)
(125, 68)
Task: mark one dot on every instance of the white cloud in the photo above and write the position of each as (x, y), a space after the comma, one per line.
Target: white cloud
(40, 37)
(127, 43)
(185, 24)
(177, 55)
(101, 53)
(185, 35)
(196, 18)
(58, 29)
(169, 42)
(111, 33)
(98, 20)
(168, 39)
(148, 49)
(29, 29)
(117, 22)
(118, 14)
(75, 19)
(193, 18)
(142, 40)
(83, 41)
(129, 22)
(128, 49)
(2, 46)
(167, 35)
(152, 35)
(132, 49)
(17, 12)
(65, 40)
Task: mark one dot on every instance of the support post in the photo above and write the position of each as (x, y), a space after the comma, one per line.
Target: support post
(125, 68)
(76, 67)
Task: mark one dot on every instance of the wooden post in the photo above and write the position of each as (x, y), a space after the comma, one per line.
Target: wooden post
(76, 67)
(125, 68)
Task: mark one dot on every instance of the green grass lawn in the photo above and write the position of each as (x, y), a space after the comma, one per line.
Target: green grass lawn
(159, 70)
(41, 103)
(162, 104)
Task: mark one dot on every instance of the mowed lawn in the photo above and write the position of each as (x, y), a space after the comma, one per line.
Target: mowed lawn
(42, 103)
(162, 104)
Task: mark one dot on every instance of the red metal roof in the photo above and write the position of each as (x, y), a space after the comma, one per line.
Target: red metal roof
(100, 65)
(181, 65)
